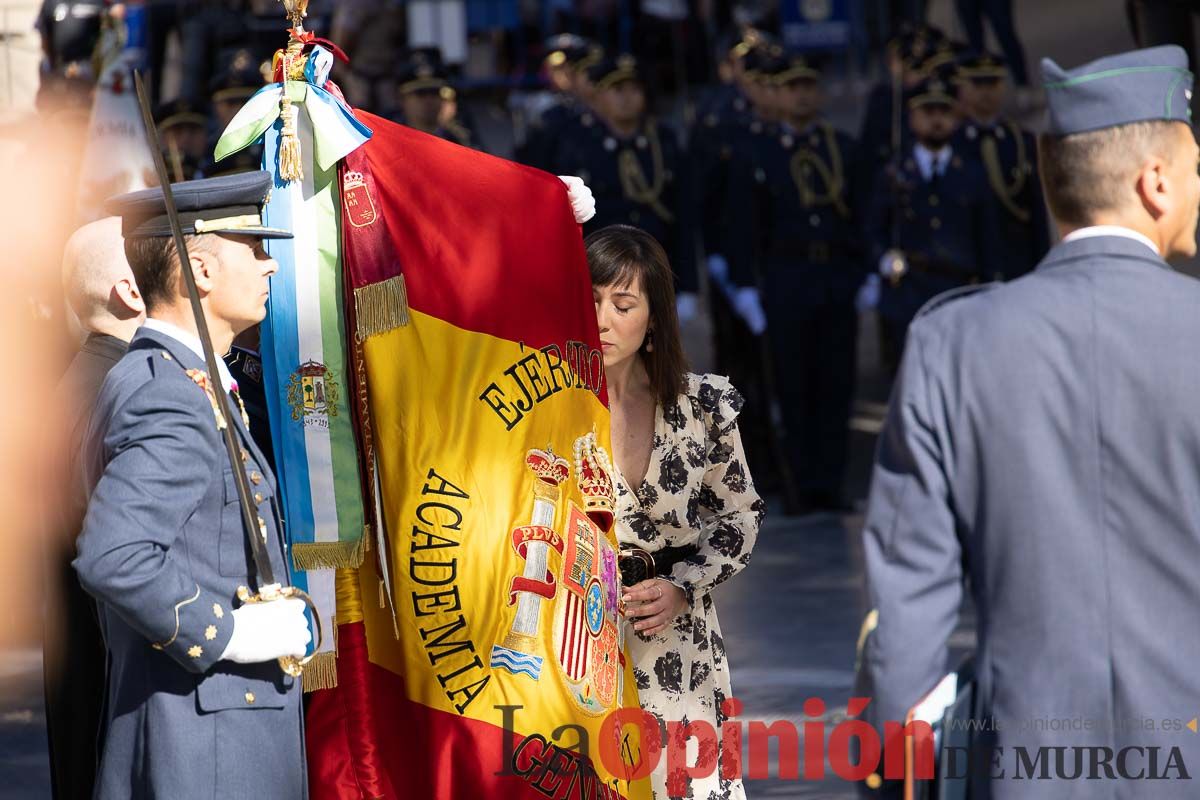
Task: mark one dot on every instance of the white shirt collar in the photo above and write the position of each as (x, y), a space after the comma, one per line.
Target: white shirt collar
(927, 159)
(1111, 230)
(191, 342)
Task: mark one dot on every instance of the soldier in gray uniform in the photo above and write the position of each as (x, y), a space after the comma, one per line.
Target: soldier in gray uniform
(1043, 447)
(197, 705)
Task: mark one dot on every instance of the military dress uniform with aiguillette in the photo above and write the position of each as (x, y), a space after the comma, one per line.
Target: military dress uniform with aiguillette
(164, 550)
(638, 180)
(948, 235)
(1008, 154)
(799, 225)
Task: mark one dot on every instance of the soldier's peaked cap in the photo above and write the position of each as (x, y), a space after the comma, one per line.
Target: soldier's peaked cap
(230, 204)
(1138, 86)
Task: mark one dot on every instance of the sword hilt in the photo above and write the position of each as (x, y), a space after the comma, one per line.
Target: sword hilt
(289, 664)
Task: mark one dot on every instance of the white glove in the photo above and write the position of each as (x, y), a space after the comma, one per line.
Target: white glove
(748, 305)
(687, 306)
(868, 294)
(718, 270)
(267, 631)
(583, 203)
(892, 264)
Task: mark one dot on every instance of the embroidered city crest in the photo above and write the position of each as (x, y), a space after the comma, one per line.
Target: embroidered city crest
(356, 199)
(313, 395)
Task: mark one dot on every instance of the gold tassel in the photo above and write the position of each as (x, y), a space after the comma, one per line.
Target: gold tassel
(291, 167)
(321, 672)
(327, 555)
(380, 307)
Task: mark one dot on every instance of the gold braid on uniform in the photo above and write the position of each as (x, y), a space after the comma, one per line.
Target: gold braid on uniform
(832, 174)
(633, 179)
(995, 171)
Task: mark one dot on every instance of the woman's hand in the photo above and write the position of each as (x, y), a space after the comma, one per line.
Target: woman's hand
(657, 603)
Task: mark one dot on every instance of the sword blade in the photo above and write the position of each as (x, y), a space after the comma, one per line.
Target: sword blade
(264, 574)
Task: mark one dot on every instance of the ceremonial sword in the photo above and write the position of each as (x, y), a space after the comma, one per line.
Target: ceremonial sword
(264, 576)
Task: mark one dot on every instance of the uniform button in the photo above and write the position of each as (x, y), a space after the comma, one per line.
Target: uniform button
(245, 456)
(255, 478)
(610, 143)
(640, 142)
(258, 498)
(933, 200)
(814, 220)
(935, 223)
(262, 528)
(250, 698)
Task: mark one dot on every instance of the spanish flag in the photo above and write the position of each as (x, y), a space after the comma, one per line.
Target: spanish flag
(480, 651)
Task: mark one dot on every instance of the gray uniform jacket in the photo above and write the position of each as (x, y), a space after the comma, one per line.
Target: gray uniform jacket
(1043, 441)
(163, 552)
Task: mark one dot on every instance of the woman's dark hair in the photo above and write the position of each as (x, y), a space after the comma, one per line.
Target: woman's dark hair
(616, 256)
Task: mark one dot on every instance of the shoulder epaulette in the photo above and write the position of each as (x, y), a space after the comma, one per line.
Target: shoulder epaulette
(947, 297)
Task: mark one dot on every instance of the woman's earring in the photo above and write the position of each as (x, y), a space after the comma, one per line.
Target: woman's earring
(650, 341)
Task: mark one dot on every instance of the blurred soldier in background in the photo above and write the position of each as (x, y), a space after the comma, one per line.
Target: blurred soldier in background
(885, 124)
(103, 295)
(1008, 154)
(567, 60)
(932, 224)
(795, 214)
(634, 167)
(231, 88)
(420, 84)
(183, 131)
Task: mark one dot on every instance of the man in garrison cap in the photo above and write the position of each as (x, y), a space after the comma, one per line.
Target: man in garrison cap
(1043, 448)
(197, 704)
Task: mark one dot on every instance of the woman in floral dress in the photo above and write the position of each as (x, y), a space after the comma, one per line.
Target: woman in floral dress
(685, 499)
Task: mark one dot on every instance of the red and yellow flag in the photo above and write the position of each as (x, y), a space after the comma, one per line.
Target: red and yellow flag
(489, 424)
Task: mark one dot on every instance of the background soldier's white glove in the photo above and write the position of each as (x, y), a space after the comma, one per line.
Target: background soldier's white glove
(893, 264)
(749, 307)
(687, 306)
(583, 203)
(267, 631)
(868, 294)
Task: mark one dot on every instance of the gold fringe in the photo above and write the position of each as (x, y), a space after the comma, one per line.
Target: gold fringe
(380, 307)
(348, 595)
(320, 673)
(327, 555)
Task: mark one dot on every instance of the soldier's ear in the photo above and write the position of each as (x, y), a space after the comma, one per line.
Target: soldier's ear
(204, 268)
(1155, 187)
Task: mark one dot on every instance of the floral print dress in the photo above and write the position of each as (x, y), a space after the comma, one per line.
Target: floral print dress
(697, 492)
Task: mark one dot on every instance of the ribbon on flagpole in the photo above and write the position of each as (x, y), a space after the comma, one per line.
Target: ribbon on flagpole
(304, 350)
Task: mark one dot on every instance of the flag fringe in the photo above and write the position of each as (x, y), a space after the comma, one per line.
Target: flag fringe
(380, 307)
(321, 672)
(327, 555)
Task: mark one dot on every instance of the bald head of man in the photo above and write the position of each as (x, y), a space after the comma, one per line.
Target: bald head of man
(99, 285)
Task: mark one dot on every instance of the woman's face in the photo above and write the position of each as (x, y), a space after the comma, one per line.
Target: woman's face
(623, 313)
